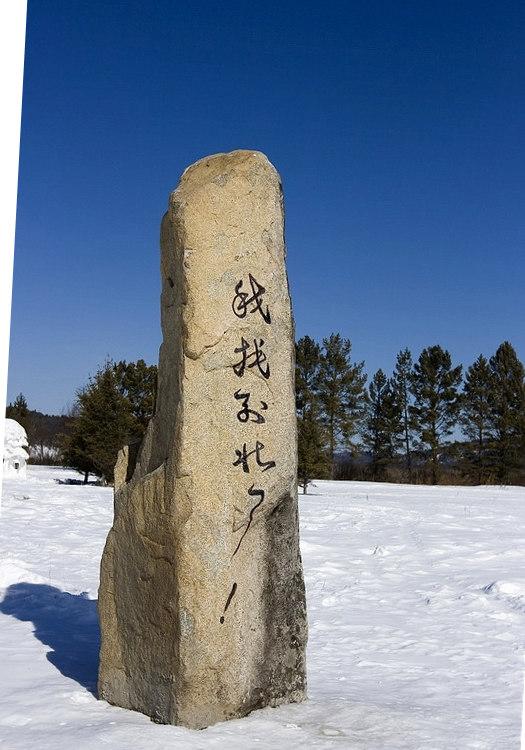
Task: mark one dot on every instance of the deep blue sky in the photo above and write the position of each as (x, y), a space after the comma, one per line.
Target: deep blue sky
(397, 128)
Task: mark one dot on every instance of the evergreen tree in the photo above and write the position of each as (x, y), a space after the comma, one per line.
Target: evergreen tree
(341, 393)
(475, 417)
(312, 459)
(507, 412)
(311, 448)
(113, 411)
(137, 382)
(401, 385)
(307, 363)
(19, 411)
(383, 426)
(75, 452)
(434, 385)
(102, 428)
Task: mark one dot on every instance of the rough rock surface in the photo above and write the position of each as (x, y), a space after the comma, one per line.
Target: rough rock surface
(201, 600)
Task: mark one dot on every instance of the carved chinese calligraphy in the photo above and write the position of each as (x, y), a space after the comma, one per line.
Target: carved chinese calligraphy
(252, 492)
(201, 599)
(246, 414)
(240, 307)
(242, 300)
(252, 356)
(242, 457)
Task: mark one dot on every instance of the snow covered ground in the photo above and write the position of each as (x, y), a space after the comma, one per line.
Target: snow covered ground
(416, 601)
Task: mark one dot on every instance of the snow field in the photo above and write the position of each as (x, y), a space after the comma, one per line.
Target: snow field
(416, 599)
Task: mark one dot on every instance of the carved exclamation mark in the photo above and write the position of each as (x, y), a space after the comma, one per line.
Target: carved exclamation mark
(232, 593)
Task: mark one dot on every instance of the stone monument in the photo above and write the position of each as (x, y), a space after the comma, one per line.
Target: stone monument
(201, 602)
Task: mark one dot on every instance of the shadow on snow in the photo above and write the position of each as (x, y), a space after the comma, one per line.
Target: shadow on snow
(68, 623)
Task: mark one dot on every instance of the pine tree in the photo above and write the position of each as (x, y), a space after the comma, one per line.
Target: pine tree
(401, 384)
(434, 385)
(383, 426)
(75, 452)
(18, 409)
(102, 428)
(311, 448)
(312, 459)
(307, 363)
(137, 382)
(475, 417)
(341, 393)
(114, 408)
(507, 412)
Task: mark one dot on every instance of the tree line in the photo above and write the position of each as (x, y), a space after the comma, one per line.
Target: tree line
(427, 422)
(110, 411)
(400, 428)
(42, 430)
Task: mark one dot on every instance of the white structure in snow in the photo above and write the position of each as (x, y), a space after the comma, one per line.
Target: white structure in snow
(15, 449)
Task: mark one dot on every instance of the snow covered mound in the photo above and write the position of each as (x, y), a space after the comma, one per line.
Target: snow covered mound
(15, 454)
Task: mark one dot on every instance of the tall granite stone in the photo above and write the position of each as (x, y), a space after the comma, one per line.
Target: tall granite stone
(201, 601)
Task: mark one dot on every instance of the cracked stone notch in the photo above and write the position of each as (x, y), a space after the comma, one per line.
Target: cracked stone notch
(201, 600)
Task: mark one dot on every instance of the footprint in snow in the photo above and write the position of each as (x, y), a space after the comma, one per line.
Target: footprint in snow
(79, 697)
(331, 732)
